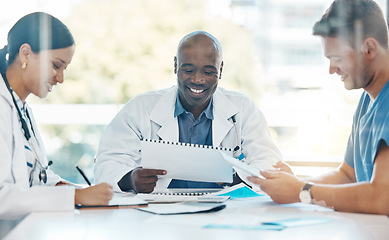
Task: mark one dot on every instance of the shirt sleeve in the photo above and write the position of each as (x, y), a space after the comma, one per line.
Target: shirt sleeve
(257, 144)
(17, 201)
(349, 155)
(382, 132)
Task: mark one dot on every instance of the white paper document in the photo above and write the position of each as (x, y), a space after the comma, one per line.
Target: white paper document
(187, 161)
(126, 200)
(244, 170)
(119, 201)
(182, 208)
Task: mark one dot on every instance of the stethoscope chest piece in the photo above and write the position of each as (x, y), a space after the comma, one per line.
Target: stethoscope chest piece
(43, 172)
(43, 175)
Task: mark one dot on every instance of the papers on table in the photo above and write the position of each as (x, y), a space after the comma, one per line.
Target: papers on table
(274, 225)
(307, 207)
(119, 200)
(124, 200)
(158, 198)
(174, 195)
(182, 208)
(185, 191)
(298, 222)
(240, 190)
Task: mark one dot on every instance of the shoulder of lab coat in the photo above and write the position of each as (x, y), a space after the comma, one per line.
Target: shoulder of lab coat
(141, 117)
(16, 197)
(253, 131)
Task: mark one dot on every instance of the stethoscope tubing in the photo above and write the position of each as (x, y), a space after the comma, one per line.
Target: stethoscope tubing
(27, 135)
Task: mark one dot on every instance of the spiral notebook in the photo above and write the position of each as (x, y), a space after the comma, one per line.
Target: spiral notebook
(185, 161)
(172, 195)
(172, 198)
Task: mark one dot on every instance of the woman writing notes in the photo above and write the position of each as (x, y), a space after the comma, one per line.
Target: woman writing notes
(39, 49)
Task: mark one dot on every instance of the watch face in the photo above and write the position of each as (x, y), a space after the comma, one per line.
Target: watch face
(305, 196)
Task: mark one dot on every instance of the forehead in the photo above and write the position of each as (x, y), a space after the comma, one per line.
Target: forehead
(197, 53)
(65, 55)
(336, 46)
(203, 51)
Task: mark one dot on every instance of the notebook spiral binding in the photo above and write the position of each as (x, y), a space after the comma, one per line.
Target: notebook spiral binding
(187, 144)
(181, 193)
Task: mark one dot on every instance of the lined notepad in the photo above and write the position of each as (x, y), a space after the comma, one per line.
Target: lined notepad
(187, 161)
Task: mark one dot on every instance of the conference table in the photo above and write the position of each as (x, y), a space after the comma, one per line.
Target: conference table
(236, 221)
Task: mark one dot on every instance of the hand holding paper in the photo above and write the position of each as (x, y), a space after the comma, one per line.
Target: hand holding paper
(187, 161)
(144, 180)
(241, 168)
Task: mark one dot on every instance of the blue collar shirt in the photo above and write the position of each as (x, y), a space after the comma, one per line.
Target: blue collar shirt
(191, 130)
(194, 131)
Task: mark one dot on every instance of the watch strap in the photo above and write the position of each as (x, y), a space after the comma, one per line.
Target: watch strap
(307, 186)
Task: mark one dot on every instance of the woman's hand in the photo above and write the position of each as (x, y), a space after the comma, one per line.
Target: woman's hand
(96, 195)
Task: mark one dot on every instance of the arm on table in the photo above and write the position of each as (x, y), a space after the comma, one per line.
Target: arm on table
(338, 189)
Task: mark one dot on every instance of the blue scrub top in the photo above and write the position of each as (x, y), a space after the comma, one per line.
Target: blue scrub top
(370, 127)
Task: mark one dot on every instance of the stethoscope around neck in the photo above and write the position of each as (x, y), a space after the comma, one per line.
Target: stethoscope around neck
(237, 149)
(27, 135)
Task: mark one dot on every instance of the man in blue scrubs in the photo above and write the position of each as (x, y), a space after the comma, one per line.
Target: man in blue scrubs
(355, 40)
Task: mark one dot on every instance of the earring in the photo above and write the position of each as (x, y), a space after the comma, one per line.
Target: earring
(24, 65)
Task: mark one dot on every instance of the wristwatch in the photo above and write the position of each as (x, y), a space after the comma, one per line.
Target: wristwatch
(305, 193)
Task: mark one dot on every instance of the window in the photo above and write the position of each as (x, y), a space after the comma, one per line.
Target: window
(126, 47)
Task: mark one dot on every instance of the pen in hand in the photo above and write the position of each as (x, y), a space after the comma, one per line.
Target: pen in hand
(83, 175)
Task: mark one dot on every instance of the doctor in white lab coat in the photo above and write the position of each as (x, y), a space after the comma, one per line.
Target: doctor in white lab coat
(151, 116)
(17, 198)
(26, 183)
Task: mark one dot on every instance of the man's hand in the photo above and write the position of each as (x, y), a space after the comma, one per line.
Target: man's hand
(283, 166)
(145, 180)
(282, 187)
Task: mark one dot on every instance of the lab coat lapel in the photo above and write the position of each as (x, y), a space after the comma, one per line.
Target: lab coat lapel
(163, 115)
(223, 110)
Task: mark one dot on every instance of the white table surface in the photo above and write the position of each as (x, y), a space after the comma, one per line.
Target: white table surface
(134, 224)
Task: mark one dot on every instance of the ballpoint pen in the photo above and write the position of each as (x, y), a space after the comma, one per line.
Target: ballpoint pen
(237, 150)
(83, 175)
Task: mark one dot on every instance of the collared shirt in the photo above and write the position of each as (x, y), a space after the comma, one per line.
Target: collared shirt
(195, 131)
(191, 130)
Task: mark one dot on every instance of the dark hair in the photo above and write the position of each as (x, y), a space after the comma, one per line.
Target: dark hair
(41, 31)
(354, 21)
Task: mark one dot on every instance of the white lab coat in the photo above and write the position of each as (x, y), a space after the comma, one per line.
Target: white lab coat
(151, 116)
(17, 198)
